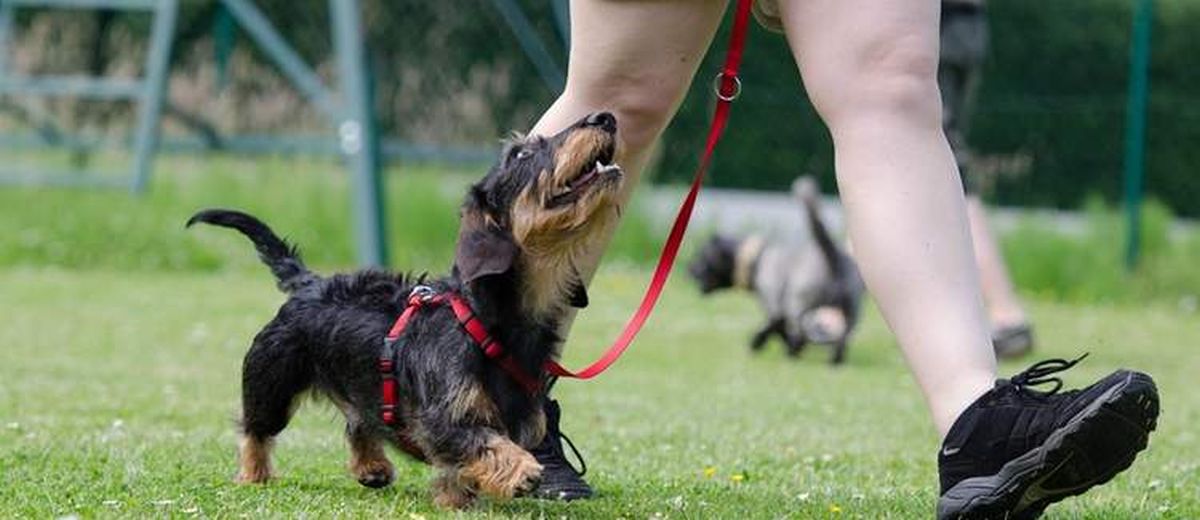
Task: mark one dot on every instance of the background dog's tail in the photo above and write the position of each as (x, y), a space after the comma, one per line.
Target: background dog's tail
(283, 259)
(805, 189)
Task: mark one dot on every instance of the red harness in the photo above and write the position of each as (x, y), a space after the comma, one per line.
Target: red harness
(424, 296)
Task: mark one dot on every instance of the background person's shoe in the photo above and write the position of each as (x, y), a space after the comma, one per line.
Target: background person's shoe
(1016, 450)
(560, 480)
(1013, 341)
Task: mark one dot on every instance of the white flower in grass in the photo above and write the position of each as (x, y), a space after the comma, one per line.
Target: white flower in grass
(676, 502)
(13, 426)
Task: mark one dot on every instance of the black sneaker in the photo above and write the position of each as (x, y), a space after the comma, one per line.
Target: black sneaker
(560, 480)
(1016, 450)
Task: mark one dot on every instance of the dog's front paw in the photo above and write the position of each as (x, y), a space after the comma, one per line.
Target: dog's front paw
(375, 473)
(448, 492)
(529, 476)
(245, 476)
(503, 471)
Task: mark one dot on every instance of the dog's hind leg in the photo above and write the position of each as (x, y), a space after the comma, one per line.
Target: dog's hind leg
(368, 461)
(795, 344)
(839, 351)
(849, 306)
(774, 326)
(274, 373)
(794, 336)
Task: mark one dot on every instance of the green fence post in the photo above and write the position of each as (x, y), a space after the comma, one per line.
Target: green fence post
(1135, 127)
(358, 135)
(6, 24)
(154, 92)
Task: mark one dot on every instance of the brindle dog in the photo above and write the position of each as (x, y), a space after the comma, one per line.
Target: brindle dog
(522, 228)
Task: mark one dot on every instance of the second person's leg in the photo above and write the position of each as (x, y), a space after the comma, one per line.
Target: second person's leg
(869, 67)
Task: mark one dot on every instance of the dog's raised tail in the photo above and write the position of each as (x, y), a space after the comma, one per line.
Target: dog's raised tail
(805, 188)
(283, 259)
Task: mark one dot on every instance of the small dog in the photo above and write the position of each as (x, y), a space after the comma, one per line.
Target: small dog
(792, 283)
(522, 227)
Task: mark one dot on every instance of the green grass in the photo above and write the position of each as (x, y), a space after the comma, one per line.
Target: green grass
(118, 389)
(124, 333)
(305, 199)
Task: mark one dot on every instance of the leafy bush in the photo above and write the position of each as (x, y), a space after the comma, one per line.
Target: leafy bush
(1089, 266)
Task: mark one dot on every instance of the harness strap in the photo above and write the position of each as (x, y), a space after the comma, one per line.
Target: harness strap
(492, 348)
(423, 296)
(728, 87)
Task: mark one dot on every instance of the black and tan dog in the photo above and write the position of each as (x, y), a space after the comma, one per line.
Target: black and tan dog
(522, 227)
(793, 282)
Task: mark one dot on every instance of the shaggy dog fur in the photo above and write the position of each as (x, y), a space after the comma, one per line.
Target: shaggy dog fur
(791, 282)
(522, 227)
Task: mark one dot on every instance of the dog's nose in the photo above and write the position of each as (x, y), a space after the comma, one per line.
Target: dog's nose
(604, 120)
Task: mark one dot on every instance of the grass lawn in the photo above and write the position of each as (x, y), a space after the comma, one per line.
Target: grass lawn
(118, 389)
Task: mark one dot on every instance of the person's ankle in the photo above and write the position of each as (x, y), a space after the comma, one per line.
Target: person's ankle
(954, 402)
(1007, 318)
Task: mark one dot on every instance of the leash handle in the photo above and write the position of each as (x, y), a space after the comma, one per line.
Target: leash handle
(728, 88)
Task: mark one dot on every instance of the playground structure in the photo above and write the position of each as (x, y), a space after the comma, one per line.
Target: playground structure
(346, 109)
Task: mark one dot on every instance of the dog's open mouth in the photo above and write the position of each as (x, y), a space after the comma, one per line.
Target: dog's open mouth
(599, 169)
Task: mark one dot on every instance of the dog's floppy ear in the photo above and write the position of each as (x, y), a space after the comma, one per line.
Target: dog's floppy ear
(483, 247)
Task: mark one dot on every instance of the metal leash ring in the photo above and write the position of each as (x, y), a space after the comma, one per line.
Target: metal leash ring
(719, 81)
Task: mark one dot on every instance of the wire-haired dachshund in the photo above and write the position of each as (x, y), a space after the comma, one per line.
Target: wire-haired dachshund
(522, 228)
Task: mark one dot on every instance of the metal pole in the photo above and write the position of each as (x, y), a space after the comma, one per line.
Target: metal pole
(6, 23)
(1135, 128)
(258, 27)
(533, 46)
(357, 134)
(154, 90)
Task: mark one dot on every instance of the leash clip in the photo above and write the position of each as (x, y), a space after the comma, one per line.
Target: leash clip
(421, 294)
(721, 81)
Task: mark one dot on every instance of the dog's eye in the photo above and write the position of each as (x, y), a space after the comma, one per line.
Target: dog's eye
(524, 154)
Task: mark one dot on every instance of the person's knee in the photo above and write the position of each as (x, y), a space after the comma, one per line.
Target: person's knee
(887, 81)
(643, 103)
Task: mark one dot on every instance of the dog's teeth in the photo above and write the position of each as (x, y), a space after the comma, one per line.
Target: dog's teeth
(605, 168)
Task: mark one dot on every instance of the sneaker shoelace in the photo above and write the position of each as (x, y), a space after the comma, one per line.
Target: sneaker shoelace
(582, 469)
(558, 438)
(1040, 373)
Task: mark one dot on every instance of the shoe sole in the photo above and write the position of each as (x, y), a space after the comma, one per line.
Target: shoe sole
(1016, 491)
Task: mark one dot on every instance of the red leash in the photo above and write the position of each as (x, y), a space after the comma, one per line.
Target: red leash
(728, 89)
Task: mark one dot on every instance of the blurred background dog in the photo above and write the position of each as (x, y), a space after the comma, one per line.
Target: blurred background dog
(810, 290)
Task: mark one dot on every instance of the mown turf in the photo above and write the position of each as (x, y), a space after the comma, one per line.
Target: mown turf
(118, 389)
